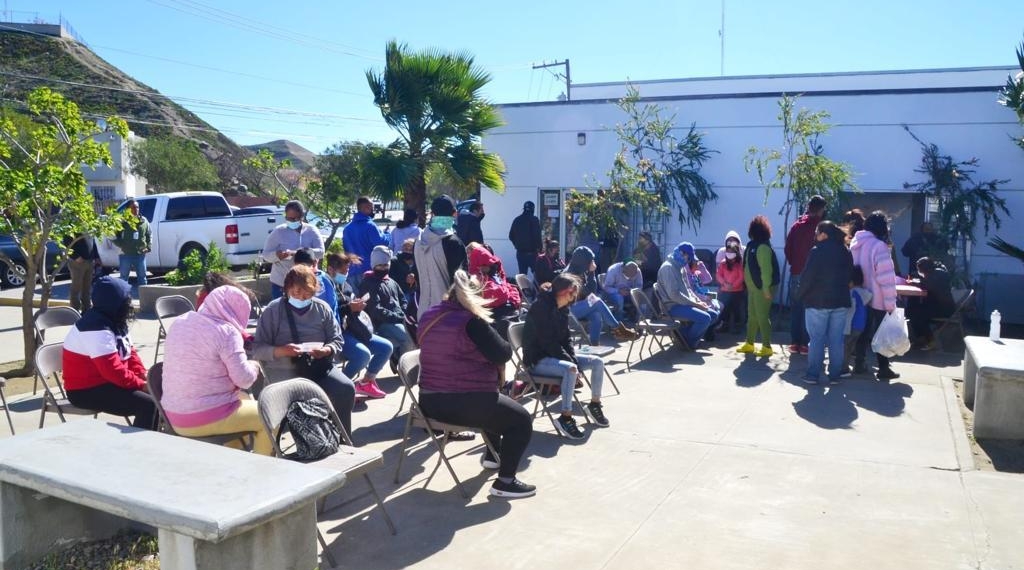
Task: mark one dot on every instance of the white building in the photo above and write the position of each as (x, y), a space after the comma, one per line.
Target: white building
(552, 147)
(114, 183)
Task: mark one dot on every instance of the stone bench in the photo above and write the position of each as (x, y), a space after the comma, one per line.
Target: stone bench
(994, 386)
(213, 507)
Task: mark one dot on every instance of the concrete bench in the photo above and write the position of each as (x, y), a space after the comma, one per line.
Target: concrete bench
(213, 507)
(994, 386)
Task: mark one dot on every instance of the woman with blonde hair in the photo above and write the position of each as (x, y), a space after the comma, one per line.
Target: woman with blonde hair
(460, 359)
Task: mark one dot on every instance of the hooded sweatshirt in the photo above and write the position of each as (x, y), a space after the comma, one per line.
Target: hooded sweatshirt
(674, 288)
(579, 265)
(497, 289)
(97, 350)
(799, 242)
(872, 256)
(360, 236)
(205, 366)
(438, 255)
(720, 256)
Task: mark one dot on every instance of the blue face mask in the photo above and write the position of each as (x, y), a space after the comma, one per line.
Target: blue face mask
(340, 278)
(442, 223)
(294, 225)
(299, 303)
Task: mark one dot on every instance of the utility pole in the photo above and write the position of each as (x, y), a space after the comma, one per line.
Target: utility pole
(566, 76)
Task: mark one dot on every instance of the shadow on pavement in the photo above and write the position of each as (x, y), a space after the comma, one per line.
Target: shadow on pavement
(753, 372)
(827, 408)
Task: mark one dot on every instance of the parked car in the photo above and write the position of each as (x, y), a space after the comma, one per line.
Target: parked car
(259, 210)
(14, 275)
(183, 222)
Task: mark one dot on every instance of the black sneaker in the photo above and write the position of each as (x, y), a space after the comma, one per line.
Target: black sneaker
(887, 374)
(597, 413)
(846, 373)
(860, 368)
(514, 490)
(487, 461)
(567, 427)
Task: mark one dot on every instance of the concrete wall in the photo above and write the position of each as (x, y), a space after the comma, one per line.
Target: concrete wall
(956, 110)
(45, 29)
(118, 174)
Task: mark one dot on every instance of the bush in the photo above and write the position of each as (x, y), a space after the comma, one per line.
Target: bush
(195, 266)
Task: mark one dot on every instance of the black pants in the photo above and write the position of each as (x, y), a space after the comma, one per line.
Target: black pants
(875, 317)
(342, 393)
(921, 311)
(117, 401)
(506, 423)
(525, 260)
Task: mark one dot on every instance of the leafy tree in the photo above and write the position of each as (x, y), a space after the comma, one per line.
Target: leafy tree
(343, 173)
(44, 191)
(433, 100)
(801, 167)
(441, 179)
(950, 183)
(266, 166)
(1012, 94)
(653, 173)
(173, 165)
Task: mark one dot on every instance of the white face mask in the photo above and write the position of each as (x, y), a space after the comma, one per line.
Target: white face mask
(730, 255)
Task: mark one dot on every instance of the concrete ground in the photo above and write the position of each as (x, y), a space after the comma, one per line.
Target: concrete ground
(712, 460)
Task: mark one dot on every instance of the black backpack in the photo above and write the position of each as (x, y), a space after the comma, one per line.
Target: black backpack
(315, 435)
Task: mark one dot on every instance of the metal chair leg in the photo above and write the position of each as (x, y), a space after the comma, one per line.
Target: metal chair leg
(405, 446)
(327, 552)
(7, 411)
(380, 503)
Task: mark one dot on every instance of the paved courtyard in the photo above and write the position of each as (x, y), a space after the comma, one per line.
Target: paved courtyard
(712, 461)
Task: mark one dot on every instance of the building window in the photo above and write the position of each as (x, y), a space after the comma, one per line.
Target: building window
(103, 193)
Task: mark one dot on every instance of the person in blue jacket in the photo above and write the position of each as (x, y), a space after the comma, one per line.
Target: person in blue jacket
(361, 235)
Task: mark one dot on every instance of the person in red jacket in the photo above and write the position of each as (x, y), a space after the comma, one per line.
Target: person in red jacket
(102, 370)
(731, 292)
(799, 242)
(502, 297)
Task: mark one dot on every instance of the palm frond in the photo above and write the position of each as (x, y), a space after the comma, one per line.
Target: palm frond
(999, 244)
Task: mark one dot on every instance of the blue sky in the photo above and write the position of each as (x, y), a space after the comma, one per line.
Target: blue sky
(310, 57)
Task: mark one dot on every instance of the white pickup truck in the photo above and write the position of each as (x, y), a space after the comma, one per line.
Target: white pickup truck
(185, 221)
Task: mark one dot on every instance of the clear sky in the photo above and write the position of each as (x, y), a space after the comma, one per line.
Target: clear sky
(295, 69)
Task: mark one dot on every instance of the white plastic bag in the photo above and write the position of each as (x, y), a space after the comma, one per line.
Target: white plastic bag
(891, 339)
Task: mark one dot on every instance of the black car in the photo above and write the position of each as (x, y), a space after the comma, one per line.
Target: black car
(14, 275)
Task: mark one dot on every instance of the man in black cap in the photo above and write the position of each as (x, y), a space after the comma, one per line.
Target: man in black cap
(438, 254)
(525, 237)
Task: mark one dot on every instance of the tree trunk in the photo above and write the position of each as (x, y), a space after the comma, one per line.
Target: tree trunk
(27, 330)
(416, 196)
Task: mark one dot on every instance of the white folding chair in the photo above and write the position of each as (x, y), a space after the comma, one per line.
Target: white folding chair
(166, 309)
(409, 373)
(3, 403)
(51, 318)
(49, 367)
(155, 383)
(648, 323)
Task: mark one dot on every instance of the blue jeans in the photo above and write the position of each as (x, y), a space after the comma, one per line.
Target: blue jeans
(734, 307)
(399, 337)
(276, 291)
(136, 261)
(617, 300)
(372, 355)
(700, 320)
(798, 328)
(826, 327)
(597, 315)
(593, 365)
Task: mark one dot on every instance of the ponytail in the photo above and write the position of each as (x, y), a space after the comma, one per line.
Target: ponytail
(466, 291)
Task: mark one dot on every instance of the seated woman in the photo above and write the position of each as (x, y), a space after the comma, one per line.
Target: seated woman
(460, 359)
(298, 319)
(731, 293)
(938, 303)
(502, 297)
(102, 370)
(386, 304)
(547, 349)
(680, 300)
(206, 369)
(590, 306)
(326, 293)
(548, 264)
(362, 349)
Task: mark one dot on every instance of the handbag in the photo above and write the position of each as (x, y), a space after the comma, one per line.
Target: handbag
(891, 339)
(305, 365)
(313, 431)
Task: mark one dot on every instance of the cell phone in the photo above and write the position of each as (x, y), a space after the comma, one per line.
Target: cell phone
(365, 298)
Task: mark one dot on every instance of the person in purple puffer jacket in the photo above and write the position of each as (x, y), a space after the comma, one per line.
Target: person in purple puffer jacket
(460, 359)
(871, 253)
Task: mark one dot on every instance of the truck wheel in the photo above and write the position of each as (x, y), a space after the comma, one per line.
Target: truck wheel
(189, 248)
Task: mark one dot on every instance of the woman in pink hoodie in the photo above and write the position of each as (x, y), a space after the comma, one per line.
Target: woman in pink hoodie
(206, 369)
(871, 253)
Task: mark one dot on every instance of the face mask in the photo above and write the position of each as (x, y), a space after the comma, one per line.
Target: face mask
(380, 272)
(679, 257)
(299, 303)
(340, 278)
(294, 225)
(730, 255)
(482, 216)
(442, 223)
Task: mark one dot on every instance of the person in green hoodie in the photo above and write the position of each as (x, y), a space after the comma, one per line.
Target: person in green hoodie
(135, 241)
(761, 276)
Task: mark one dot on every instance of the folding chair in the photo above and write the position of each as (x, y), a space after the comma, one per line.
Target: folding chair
(409, 373)
(3, 403)
(957, 318)
(662, 315)
(579, 333)
(50, 363)
(528, 288)
(600, 281)
(649, 324)
(167, 308)
(535, 381)
(352, 461)
(51, 318)
(155, 383)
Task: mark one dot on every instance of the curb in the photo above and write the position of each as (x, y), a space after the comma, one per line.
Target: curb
(961, 443)
(10, 302)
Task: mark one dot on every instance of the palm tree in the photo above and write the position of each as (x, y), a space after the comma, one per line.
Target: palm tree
(433, 100)
(1012, 94)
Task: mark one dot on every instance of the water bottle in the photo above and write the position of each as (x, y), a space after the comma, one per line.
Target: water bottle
(993, 328)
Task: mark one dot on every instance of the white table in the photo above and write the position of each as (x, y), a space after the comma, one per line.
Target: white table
(994, 386)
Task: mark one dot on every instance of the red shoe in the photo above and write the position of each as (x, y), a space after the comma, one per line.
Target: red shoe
(794, 349)
(369, 389)
(803, 349)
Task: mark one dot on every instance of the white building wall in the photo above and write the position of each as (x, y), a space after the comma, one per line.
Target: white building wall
(540, 150)
(118, 175)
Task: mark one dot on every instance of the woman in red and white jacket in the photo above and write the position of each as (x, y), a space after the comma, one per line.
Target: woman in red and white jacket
(102, 370)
